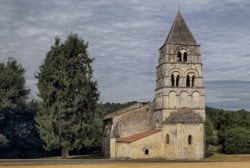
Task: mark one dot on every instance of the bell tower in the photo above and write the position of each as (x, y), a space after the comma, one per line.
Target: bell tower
(179, 84)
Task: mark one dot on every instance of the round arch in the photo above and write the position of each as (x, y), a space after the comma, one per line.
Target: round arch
(191, 71)
(177, 49)
(176, 70)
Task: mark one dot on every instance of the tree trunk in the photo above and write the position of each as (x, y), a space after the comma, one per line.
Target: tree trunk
(65, 153)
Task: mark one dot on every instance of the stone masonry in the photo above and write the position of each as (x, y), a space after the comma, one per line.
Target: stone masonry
(172, 126)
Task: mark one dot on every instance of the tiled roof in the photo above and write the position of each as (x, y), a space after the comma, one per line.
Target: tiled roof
(180, 33)
(184, 116)
(138, 136)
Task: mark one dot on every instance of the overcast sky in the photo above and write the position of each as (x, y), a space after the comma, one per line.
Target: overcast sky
(124, 37)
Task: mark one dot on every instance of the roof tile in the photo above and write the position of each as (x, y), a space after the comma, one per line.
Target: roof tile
(180, 33)
(138, 136)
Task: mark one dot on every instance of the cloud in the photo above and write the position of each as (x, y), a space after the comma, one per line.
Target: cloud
(124, 37)
(229, 94)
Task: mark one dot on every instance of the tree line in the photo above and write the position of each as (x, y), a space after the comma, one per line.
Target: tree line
(67, 115)
(228, 131)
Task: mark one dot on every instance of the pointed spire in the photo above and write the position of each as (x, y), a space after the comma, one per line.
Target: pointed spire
(180, 33)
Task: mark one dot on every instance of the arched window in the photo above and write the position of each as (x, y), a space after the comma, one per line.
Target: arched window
(182, 55)
(193, 79)
(188, 81)
(179, 57)
(167, 139)
(185, 57)
(189, 139)
(146, 152)
(172, 80)
(177, 80)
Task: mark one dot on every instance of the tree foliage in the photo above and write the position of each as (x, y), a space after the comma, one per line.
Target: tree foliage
(230, 128)
(68, 95)
(236, 140)
(102, 110)
(211, 135)
(12, 84)
(16, 112)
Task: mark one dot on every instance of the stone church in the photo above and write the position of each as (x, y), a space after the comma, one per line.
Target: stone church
(172, 126)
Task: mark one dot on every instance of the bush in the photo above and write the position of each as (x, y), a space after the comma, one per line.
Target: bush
(236, 140)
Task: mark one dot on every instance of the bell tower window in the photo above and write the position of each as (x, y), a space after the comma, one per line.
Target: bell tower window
(185, 57)
(179, 57)
(172, 80)
(177, 80)
(193, 79)
(188, 81)
(182, 56)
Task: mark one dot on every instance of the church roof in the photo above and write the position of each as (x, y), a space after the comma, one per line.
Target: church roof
(138, 136)
(184, 116)
(135, 106)
(180, 33)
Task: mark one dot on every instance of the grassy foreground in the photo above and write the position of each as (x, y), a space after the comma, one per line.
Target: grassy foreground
(141, 165)
(215, 161)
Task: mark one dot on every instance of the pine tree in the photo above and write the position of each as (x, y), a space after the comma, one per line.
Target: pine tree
(68, 95)
(12, 84)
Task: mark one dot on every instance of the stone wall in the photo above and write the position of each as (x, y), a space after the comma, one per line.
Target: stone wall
(133, 121)
(137, 149)
(178, 147)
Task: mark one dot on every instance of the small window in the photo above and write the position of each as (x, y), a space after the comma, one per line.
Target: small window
(167, 139)
(146, 152)
(188, 81)
(177, 80)
(172, 80)
(193, 79)
(189, 139)
(185, 57)
(179, 57)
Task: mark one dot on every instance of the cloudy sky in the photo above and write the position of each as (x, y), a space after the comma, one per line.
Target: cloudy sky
(124, 37)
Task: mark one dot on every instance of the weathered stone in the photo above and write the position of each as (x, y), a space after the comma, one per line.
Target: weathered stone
(172, 127)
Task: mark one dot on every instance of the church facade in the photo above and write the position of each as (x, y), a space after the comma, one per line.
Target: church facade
(172, 126)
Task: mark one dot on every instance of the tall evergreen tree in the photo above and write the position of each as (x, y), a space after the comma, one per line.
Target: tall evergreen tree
(68, 95)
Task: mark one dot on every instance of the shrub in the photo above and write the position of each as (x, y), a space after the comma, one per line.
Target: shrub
(236, 140)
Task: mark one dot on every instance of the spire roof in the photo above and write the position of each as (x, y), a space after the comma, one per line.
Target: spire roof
(180, 33)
